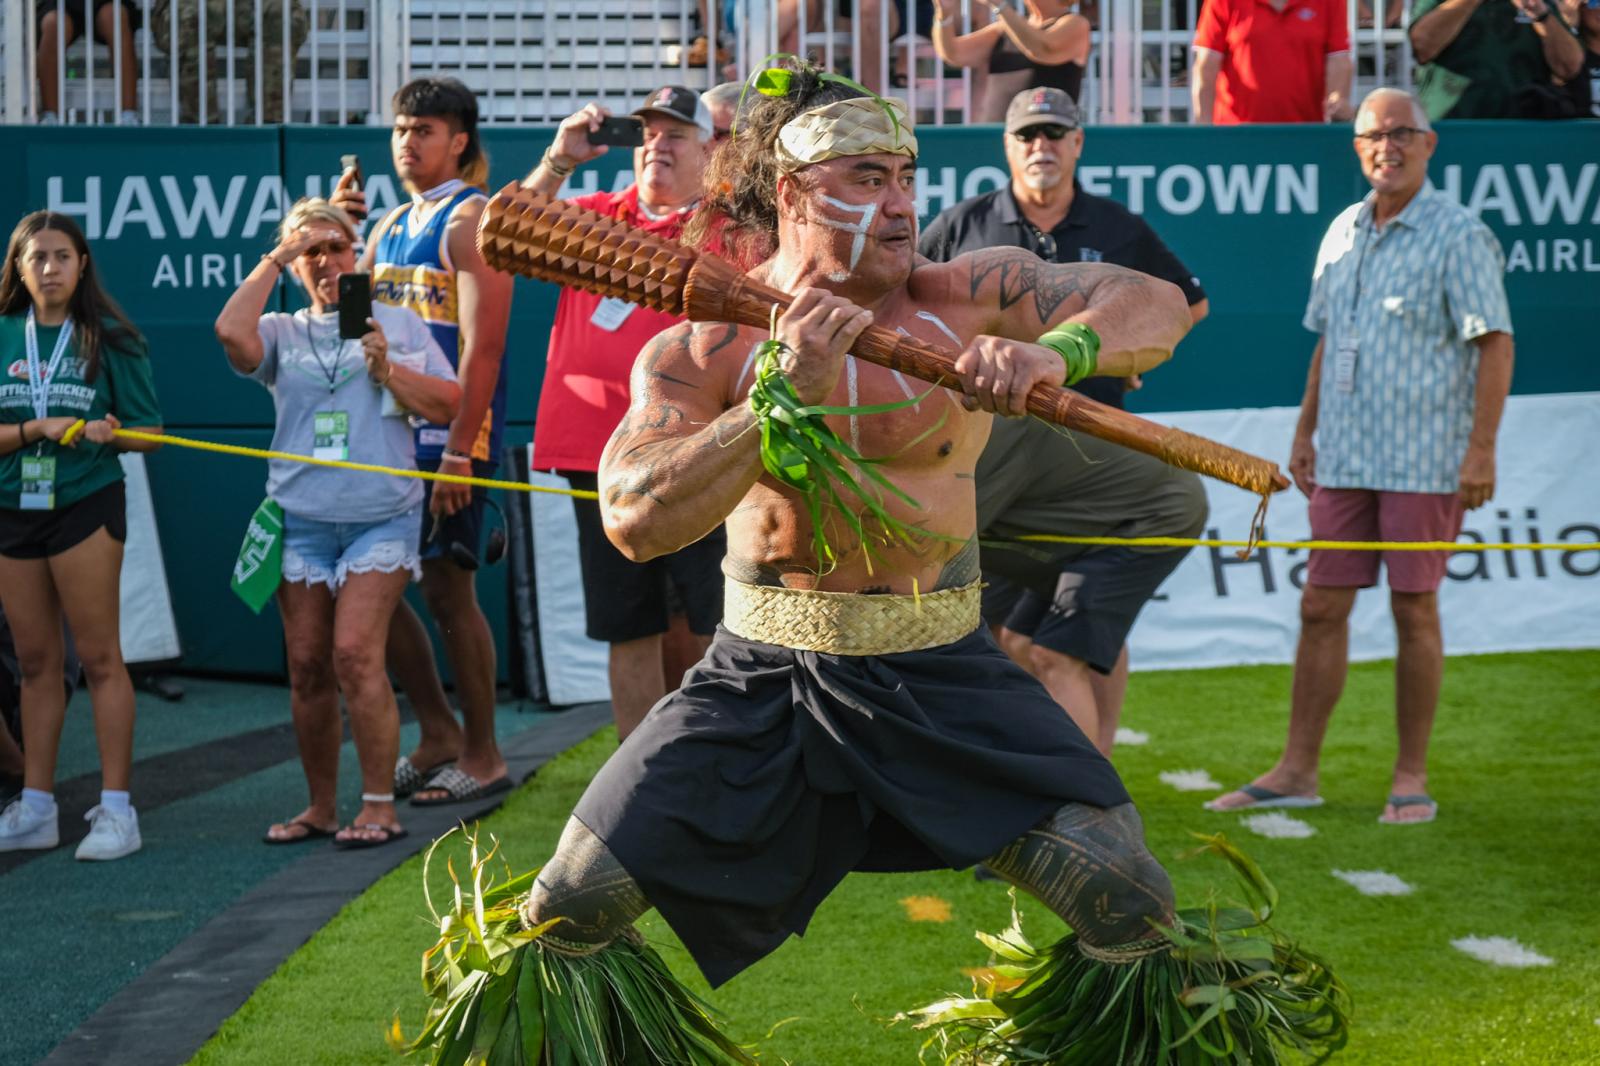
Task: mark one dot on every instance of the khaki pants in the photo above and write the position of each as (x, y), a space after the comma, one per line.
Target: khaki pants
(244, 38)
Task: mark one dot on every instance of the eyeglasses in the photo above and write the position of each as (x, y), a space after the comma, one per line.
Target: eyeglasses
(1048, 130)
(1400, 136)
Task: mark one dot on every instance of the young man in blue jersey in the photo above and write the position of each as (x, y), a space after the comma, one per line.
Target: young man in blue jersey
(424, 255)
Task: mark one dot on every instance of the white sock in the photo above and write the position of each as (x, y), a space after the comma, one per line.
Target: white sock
(113, 801)
(36, 802)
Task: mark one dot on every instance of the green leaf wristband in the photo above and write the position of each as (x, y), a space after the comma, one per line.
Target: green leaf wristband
(1079, 347)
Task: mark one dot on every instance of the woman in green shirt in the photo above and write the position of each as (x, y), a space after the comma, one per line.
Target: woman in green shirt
(67, 353)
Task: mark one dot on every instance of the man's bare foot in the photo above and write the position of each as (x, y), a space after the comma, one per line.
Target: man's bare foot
(307, 824)
(1414, 806)
(1275, 788)
(376, 824)
(484, 776)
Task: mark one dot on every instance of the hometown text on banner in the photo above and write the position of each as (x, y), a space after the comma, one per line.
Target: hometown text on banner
(1219, 610)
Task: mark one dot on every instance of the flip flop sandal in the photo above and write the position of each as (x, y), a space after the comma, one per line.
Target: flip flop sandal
(1266, 798)
(312, 832)
(408, 778)
(461, 787)
(1418, 799)
(390, 834)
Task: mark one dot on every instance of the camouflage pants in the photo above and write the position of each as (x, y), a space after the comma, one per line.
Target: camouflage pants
(190, 54)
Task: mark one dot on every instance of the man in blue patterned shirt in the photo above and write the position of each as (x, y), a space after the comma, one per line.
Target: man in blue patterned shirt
(1395, 440)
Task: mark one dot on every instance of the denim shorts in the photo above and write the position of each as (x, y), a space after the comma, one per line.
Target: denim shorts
(327, 553)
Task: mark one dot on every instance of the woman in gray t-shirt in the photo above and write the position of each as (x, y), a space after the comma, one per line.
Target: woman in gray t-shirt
(350, 538)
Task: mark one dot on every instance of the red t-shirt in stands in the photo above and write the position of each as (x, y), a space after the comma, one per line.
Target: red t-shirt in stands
(1272, 61)
(585, 392)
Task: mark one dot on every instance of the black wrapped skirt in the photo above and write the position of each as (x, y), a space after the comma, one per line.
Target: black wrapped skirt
(747, 795)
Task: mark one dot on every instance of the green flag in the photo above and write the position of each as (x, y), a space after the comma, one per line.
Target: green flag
(259, 568)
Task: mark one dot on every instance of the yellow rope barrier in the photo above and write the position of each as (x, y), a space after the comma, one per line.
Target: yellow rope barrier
(1050, 538)
(340, 464)
(1342, 545)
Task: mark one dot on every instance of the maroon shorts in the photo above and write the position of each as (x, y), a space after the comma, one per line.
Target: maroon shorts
(1364, 514)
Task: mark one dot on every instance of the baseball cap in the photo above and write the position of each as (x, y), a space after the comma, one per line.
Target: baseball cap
(1039, 107)
(685, 105)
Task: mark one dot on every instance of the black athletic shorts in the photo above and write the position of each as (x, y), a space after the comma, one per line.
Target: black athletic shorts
(41, 534)
(1097, 599)
(465, 526)
(624, 600)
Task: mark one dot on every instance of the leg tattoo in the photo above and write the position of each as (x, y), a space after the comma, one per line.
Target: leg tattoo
(586, 887)
(1091, 867)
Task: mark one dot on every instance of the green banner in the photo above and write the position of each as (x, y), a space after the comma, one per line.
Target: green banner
(177, 217)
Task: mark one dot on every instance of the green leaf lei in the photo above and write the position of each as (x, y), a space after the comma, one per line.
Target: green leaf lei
(800, 450)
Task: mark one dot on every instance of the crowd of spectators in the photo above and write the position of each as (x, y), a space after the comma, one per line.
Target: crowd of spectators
(1250, 62)
(422, 388)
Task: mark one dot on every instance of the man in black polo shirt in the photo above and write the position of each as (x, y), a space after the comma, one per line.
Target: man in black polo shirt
(1064, 613)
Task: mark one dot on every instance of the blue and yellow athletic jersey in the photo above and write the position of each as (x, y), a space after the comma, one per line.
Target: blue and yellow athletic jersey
(411, 268)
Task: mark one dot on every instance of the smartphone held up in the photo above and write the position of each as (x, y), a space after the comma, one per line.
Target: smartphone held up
(619, 131)
(355, 305)
(351, 164)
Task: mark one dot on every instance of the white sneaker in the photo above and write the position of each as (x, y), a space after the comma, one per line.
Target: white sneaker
(21, 829)
(111, 836)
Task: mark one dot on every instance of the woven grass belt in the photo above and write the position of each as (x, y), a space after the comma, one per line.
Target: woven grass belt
(850, 623)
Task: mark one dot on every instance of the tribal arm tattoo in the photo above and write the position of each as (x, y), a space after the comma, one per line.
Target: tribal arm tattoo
(1140, 319)
(680, 459)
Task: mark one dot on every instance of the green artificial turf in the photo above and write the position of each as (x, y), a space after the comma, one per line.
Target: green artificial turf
(1512, 854)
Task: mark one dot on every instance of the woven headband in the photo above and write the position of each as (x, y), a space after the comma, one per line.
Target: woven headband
(857, 126)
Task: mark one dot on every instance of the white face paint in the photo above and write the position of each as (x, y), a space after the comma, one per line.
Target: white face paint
(867, 212)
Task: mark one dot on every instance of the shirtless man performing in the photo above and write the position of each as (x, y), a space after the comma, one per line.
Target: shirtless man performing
(747, 795)
(858, 716)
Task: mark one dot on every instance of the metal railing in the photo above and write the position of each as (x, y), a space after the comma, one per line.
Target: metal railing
(536, 61)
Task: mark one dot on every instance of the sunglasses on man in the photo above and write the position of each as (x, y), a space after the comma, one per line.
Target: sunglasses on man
(1048, 130)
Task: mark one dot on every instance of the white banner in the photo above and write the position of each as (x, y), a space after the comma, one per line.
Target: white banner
(1216, 610)
(574, 665)
(149, 632)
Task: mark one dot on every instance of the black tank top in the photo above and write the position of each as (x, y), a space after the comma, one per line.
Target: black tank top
(1006, 58)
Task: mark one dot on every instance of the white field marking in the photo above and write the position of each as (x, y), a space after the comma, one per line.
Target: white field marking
(1131, 736)
(1373, 882)
(1279, 826)
(1189, 780)
(1501, 951)
(867, 212)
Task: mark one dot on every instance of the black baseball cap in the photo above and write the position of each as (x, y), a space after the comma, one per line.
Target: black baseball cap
(1041, 107)
(682, 104)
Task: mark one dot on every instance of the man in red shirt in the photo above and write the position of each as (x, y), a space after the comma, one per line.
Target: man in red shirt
(1271, 61)
(593, 345)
